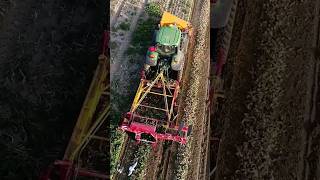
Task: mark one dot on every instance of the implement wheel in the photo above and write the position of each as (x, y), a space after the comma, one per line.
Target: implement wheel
(189, 130)
(181, 125)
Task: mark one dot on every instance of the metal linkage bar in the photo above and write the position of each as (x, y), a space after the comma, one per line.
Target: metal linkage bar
(146, 87)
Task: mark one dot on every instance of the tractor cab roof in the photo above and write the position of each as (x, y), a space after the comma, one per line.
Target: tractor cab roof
(169, 36)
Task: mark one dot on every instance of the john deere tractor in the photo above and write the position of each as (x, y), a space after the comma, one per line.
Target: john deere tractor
(153, 115)
(167, 53)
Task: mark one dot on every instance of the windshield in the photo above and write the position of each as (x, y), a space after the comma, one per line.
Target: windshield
(166, 50)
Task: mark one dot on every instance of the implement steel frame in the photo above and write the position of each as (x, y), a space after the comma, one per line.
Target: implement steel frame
(135, 123)
(146, 87)
(86, 126)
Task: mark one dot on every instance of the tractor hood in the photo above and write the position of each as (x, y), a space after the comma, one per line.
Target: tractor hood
(169, 36)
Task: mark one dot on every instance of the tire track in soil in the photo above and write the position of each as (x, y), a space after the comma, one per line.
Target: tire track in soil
(118, 11)
(126, 42)
(126, 157)
(167, 160)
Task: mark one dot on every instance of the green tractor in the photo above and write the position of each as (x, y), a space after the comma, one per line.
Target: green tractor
(169, 48)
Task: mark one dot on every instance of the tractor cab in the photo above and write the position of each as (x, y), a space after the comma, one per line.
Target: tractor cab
(169, 45)
(166, 47)
(167, 40)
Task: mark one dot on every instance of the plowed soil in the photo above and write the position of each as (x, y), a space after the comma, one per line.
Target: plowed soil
(48, 53)
(267, 134)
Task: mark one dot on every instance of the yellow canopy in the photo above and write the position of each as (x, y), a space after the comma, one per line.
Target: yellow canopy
(168, 19)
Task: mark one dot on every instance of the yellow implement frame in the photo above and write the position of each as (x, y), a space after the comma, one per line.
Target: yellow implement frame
(87, 125)
(145, 88)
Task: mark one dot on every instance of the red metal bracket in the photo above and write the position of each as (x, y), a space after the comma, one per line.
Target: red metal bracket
(67, 170)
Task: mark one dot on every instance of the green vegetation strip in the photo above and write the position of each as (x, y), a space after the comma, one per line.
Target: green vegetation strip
(142, 37)
(142, 155)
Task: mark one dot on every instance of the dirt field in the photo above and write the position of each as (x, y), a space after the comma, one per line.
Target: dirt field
(162, 163)
(267, 109)
(48, 52)
(169, 162)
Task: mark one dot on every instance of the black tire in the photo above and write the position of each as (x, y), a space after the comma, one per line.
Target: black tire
(154, 38)
(189, 130)
(179, 132)
(181, 126)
